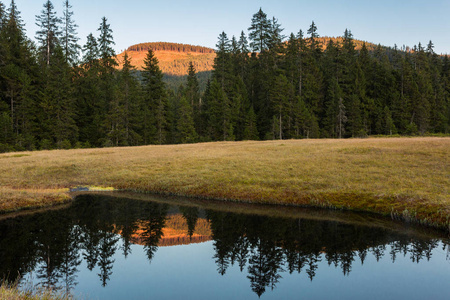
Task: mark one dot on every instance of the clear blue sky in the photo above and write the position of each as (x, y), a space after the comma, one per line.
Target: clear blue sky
(199, 22)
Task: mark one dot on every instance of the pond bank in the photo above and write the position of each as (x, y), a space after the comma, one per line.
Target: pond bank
(405, 178)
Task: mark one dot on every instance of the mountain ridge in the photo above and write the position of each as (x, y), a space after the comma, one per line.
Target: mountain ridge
(174, 58)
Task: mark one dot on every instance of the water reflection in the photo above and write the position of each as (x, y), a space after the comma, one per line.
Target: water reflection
(94, 230)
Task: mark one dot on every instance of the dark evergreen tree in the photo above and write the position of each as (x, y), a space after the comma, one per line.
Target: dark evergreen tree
(19, 72)
(58, 104)
(69, 39)
(88, 90)
(129, 103)
(282, 96)
(155, 102)
(109, 98)
(222, 61)
(219, 111)
(276, 36)
(250, 129)
(49, 33)
(185, 123)
(260, 32)
(192, 94)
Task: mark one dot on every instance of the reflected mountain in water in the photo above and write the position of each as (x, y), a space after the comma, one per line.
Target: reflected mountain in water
(94, 230)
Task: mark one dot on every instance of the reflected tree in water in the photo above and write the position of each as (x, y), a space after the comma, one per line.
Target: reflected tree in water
(54, 244)
(271, 246)
(71, 258)
(155, 220)
(107, 249)
(190, 214)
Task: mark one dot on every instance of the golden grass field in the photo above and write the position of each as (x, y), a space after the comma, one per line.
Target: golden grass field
(404, 177)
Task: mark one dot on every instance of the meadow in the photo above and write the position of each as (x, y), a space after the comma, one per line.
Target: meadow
(405, 178)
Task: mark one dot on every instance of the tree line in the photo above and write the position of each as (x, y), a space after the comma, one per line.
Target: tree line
(53, 245)
(57, 94)
(163, 46)
(268, 86)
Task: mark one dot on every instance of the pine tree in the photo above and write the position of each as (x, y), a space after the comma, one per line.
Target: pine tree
(2, 15)
(251, 130)
(49, 34)
(57, 101)
(155, 101)
(185, 124)
(88, 90)
(220, 114)
(281, 94)
(276, 37)
(242, 59)
(130, 100)
(389, 127)
(69, 38)
(192, 90)
(192, 94)
(222, 61)
(18, 75)
(108, 101)
(313, 35)
(260, 31)
(105, 43)
(90, 50)
(341, 118)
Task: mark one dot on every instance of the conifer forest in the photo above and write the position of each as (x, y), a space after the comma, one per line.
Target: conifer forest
(58, 94)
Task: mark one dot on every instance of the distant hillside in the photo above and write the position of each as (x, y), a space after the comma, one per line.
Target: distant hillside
(175, 232)
(173, 58)
(163, 46)
(358, 43)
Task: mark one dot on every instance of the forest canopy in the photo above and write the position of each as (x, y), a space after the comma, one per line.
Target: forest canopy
(55, 93)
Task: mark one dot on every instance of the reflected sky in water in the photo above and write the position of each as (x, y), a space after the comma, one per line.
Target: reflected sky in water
(110, 248)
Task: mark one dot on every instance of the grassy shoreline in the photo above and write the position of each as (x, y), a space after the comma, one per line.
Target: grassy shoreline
(406, 178)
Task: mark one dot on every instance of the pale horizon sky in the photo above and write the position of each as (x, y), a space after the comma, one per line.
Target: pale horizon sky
(199, 22)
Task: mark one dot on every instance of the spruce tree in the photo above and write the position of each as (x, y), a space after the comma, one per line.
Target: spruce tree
(108, 84)
(313, 35)
(18, 75)
(242, 61)
(276, 36)
(185, 123)
(105, 43)
(341, 118)
(69, 38)
(192, 94)
(57, 101)
(250, 129)
(90, 50)
(281, 94)
(2, 15)
(260, 32)
(88, 93)
(130, 100)
(155, 102)
(222, 61)
(49, 33)
(220, 114)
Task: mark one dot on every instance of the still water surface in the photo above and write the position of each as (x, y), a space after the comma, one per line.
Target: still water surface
(116, 248)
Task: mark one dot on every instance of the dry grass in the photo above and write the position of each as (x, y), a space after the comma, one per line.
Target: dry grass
(12, 198)
(12, 292)
(404, 177)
